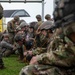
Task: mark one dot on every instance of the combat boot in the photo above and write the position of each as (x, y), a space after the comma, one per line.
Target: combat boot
(1, 64)
(2, 67)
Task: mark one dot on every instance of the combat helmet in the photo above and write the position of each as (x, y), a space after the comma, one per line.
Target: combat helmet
(23, 24)
(5, 35)
(18, 29)
(16, 18)
(18, 37)
(38, 16)
(46, 25)
(47, 16)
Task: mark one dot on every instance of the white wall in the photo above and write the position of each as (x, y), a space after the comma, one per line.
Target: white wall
(32, 8)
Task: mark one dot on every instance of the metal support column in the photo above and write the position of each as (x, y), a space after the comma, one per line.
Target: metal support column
(42, 10)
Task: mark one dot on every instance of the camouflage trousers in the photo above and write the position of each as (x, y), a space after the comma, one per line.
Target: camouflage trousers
(11, 38)
(7, 53)
(43, 70)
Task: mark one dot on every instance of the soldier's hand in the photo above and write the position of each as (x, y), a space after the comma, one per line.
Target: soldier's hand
(32, 39)
(33, 60)
(30, 53)
(25, 53)
(38, 31)
(15, 31)
(14, 48)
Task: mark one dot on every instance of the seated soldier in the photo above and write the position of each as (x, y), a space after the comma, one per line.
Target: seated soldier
(30, 38)
(20, 40)
(11, 28)
(21, 45)
(59, 60)
(42, 40)
(6, 47)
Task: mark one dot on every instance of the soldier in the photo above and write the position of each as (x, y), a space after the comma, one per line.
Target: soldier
(20, 40)
(11, 27)
(41, 40)
(23, 26)
(6, 47)
(60, 58)
(48, 17)
(39, 19)
(1, 61)
(42, 35)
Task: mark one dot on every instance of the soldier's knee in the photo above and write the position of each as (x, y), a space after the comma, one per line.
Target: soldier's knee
(27, 70)
(23, 73)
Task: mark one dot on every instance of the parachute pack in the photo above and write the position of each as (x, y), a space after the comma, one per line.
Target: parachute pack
(64, 12)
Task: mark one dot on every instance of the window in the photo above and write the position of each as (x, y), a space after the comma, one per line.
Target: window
(20, 13)
(12, 13)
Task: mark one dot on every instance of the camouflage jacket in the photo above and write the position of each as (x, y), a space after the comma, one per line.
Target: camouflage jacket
(4, 45)
(60, 54)
(41, 41)
(11, 27)
(38, 51)
(41, 45)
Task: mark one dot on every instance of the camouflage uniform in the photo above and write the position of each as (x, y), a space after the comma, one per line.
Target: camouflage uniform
(6, 47)
(41, 40)
(39, 19)
(1, 36)
(11, 27)
(1, 61)
(59, 60)
(19, 37)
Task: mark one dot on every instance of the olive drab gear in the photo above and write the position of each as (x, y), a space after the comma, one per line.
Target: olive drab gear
(11, 26)
(1, 11)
